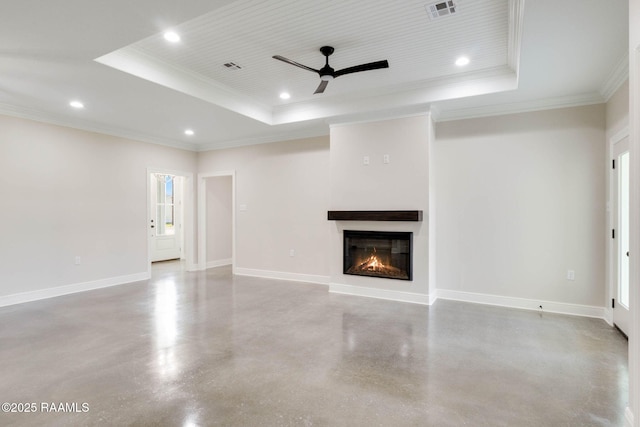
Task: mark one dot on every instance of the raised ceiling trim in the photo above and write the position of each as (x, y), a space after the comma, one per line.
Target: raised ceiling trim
(139, 64)
(407, 96)
(516, 19)
(616, 78)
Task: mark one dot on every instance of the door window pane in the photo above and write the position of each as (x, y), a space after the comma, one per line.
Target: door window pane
(165, 210)
(623, 249)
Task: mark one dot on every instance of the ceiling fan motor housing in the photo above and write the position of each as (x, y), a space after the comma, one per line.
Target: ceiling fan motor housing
(326, 73)
(326, 50)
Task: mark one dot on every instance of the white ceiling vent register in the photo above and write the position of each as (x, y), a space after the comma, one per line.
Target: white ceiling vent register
(439, 9)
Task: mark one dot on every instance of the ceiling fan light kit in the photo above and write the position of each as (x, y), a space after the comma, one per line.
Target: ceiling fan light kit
(327, 73)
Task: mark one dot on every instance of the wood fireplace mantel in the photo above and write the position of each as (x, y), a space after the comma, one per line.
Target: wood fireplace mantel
(374, 216)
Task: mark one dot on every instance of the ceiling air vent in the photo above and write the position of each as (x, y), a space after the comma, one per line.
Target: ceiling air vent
(232, 66)
(439, 9)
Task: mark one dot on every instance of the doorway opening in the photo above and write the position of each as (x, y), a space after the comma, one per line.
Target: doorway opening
(216, 220)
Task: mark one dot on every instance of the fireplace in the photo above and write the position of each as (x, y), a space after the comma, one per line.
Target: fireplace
(383, 254)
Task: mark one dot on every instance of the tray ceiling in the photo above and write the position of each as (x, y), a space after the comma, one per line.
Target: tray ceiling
(421, 52)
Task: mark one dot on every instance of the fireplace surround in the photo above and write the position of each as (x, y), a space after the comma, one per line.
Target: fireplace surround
(382, 254)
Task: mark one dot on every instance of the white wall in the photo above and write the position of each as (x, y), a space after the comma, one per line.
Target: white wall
(219, 220)
(283, 188)
(68, 192)
(402, 184)
(521, 200)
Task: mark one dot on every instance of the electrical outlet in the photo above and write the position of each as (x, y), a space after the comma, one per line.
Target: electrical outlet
(365, 160)
(385, 159)
(571, 275)
(292, 252)
(78, 260)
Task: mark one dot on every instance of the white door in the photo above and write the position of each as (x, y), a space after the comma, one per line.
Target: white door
(620, 213)
(165, 216)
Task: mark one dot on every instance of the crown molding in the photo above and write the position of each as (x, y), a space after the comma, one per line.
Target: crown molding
(618, 75)
(85, 125)
(518, 107)
(437, 113)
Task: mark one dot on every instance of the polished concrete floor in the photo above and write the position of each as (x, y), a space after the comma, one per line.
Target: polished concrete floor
(196, 349)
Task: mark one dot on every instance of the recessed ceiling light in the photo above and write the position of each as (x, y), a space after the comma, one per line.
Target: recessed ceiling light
(172, 37)
(76, 104)
(462, 61)
(285, 95)
(189, 132)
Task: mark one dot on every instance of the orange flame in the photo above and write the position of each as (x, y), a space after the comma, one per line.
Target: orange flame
(373, 263)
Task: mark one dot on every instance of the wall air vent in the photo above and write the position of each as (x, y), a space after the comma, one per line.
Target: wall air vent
(441, 8)
(232, 66)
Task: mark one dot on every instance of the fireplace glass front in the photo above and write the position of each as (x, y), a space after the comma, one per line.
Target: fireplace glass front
(384, 254)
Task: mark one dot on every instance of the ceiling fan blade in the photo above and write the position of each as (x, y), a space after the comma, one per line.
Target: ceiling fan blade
(288, 61)
(364, 67)
(322, 87)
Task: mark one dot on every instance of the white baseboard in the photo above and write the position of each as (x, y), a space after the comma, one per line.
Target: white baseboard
(193, 267)
(523, 303)
(281, 275)
(608, 315)
(70, 289)
(219, 263)
(628, 418)
(380, 294)
(433, 297)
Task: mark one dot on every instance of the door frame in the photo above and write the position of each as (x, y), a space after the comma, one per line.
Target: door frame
(612, 258)
(178, 218)
(202, 217)
(611, 268)
(187, 214)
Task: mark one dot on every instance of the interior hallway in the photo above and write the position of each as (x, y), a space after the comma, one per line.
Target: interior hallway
(208, 348)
